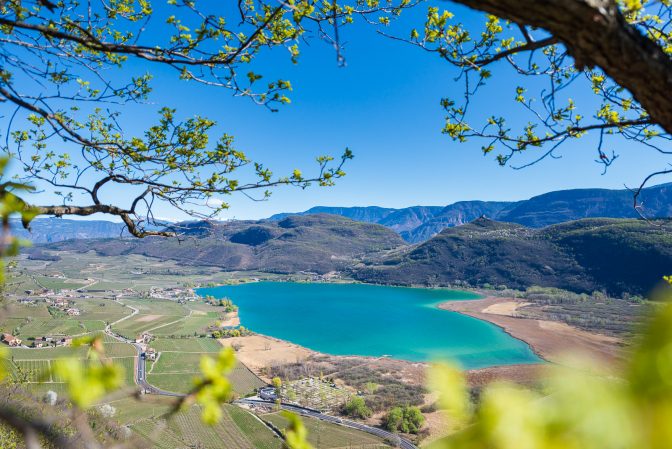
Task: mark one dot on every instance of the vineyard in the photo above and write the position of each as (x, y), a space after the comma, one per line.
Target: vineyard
(186, 429)
(323, 435)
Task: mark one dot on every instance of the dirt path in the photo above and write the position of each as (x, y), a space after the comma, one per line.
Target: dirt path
(551, 340)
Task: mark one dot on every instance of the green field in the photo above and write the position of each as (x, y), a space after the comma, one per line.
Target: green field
(31, 321)
(59, 284)
(133, 327)
(188, 326)
(50, 326)
(323, 435)
(186, 344)
(237, 430)
(33, 365)
(47, 353)
(174, 371)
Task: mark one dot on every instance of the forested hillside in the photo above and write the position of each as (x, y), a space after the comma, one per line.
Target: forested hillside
(592, 254)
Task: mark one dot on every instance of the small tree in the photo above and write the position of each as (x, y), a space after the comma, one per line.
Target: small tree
(357, 408)
(406, 419)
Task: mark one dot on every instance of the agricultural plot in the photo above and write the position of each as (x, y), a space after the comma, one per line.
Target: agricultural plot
(187, 327)
(33, 370)
(55, 326)
(323, 435)
(128, 365)
(130, 410)
(243, 380)
(19, 283)
(47, 353)
(157, 307)
(250, 426)
(186, 344)
(59, 284)
(118, 349)
(104, 310)
(132, 327)
(34, 366)
(11, 325)
(174, 371)
(109, 285)
(40, 389)
(29, 311)
(187, 430)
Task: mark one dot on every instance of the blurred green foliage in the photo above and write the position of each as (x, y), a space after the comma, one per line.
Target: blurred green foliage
(590, 408)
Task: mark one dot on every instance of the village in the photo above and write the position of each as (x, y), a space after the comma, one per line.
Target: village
(63, 303)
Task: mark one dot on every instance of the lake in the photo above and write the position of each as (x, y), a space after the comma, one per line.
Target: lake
(369, 320)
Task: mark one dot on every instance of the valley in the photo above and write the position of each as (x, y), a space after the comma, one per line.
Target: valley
(333, 310)
(135, 296)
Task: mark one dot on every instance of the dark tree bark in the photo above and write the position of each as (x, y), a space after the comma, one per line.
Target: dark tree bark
(597, 35)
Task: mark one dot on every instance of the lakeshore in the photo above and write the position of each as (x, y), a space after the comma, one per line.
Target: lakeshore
(552, 341)
(373, 321)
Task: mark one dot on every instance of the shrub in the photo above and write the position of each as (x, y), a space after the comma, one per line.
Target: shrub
(356, 408)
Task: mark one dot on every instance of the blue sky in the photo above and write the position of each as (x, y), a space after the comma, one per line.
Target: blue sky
(384, 106)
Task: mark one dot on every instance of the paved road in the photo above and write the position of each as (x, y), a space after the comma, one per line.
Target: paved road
(401, 442)
(140, 377)
(141, 374)
(141, 365)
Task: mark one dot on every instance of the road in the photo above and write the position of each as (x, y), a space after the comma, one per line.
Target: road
(401, 442)
(141, 365)
(141, 380)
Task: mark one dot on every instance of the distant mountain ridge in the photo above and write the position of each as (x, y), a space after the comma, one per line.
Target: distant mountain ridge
(318, 243)
(51, 229)
(419, 223)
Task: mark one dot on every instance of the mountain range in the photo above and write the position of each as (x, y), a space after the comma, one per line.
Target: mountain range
(51, 229)
(316, 243)
(419, 223)
(616, 255)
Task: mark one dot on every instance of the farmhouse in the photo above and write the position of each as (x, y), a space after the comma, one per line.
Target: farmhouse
(145, 337)
(11, 340)
(65, 341)
(151, 354)
(73, 312)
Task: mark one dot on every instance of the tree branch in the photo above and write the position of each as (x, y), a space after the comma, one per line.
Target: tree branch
(596, 34)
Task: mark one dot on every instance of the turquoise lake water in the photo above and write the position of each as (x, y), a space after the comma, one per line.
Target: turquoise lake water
(368, 320)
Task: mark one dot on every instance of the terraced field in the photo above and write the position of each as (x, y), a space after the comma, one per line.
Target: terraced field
(249, 424)
(323, 435)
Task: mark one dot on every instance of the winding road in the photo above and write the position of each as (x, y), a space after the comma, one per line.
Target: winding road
(401, 442)
(141, 380)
